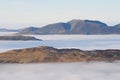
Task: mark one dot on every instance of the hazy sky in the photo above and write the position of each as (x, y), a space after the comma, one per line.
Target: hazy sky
(24, 13)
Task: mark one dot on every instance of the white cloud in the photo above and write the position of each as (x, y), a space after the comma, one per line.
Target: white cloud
(61, 71)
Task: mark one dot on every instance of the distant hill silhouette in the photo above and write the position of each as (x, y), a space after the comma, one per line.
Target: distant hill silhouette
(18, 37)
(9, 30)
(74, 27)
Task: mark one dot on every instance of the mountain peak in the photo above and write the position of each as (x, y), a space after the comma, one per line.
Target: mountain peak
(75, 21)
(86, 22)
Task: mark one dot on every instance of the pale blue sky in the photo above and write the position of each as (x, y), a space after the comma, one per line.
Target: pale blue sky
(24, 13)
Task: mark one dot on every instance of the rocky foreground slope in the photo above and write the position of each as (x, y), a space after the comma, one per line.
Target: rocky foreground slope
(50, 54)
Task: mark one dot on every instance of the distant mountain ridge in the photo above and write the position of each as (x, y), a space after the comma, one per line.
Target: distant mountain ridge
(18, 38)
(75, 26)
(9, 30)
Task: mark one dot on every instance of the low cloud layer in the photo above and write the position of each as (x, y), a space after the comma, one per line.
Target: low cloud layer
(61, 71)
(83, 42)
(77, 37)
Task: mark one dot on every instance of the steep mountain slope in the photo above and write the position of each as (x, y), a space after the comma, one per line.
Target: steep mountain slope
(87, 27)
(57, 28)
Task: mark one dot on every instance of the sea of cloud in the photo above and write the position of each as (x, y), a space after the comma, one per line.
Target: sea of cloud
(76, 37)
(61, 71)
(7, 33)
(83, 42)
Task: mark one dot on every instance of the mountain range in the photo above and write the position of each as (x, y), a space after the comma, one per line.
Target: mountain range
(75, 26)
